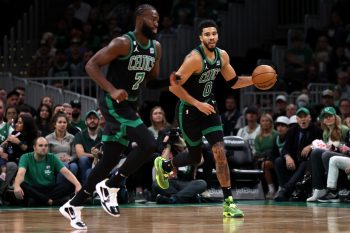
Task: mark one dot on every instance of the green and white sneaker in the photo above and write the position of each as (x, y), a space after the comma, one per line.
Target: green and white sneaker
(161, 175)
(231, 210)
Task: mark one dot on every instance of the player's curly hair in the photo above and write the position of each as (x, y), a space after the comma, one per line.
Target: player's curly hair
(205, 24)
(141, 9)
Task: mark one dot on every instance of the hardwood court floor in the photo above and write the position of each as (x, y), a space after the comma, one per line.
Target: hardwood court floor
(260, 217)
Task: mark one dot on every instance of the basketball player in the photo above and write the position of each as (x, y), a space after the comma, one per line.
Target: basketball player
(132, 58)
(197, 110)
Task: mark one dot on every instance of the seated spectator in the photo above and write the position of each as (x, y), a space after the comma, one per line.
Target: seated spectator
(334, 133)
(291, 109)
(76, 115)
(36, 177)
(342, 85)
(11, 113)
(264, 142)
(68, 110)
(183, 187)
(47, 100)
(338, 161)
(252, 128)
(85, 142)
(158, 121)
(43, 119)
(12, 98)
(281, 105)
(230, 117)
(5, 131)
(344, 109)
(61, 142)
(3, 94)
(21, 100)
(291, 165)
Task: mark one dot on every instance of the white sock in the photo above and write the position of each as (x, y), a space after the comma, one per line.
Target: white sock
(271, 188)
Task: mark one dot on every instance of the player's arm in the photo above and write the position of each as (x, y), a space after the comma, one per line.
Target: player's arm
(192, 64)
(116, 48)
(230, 75)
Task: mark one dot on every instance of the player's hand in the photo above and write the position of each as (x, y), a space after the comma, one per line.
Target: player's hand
(174, 79)
(119, 95)
(205, 108)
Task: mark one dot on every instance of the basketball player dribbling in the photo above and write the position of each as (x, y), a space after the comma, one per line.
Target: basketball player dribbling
(197, 113)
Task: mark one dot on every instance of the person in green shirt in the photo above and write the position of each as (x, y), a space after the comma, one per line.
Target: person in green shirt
(36, 177)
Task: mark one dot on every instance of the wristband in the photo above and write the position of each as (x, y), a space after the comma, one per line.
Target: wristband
(233, 81)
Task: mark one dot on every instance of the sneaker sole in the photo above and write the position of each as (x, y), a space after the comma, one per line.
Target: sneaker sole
(161, 180)
(329, 201)
(228, 215)
(102, 202)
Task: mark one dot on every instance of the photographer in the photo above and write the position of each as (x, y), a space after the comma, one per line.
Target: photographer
(183, 188)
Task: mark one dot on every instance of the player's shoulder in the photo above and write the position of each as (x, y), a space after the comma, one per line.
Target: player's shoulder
(224, 55)
(194, 55)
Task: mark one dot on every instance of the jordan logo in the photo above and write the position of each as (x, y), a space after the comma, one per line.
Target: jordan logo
(136, 49)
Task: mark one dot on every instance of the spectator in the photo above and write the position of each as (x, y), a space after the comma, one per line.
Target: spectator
(264, 143)
(291, 109)
(11, 113)
(5, 131)
(3, 94)
(342, 85)
(321, 57)
(250, 131)
(344, 108)
(158, 121)
(167, 26)
(68, 110)
(85, 142)
(21, 139)
(36, 177)
(49, 39)
(291, 166)
(12, 98)
(43, 119)
(48, 101)
(334, 133)
(76, 115)
(230, 117)
(61, 142)
(281, 105)
(21, 100)
(327, 100)
(338, 161)
(183, 187)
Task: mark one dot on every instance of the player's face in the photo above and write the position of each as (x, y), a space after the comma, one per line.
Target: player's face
(150, 24)
(209, 38)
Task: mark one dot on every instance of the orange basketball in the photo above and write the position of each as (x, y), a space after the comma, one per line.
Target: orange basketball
(264, 77)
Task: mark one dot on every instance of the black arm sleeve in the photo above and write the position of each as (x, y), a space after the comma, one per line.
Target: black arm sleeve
(232, 82)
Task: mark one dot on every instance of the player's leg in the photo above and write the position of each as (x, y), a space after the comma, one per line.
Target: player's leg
(213, 132)
(72, 209)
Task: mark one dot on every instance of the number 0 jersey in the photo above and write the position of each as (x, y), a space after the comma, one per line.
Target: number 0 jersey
(129, 72)
(200, 85)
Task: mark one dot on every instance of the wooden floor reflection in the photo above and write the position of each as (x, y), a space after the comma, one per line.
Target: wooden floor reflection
(191, 219)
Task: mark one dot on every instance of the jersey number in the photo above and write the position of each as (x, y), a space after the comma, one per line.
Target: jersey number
(207, 89)
(139, 77)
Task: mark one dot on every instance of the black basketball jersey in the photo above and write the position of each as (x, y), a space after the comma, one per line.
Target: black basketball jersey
(129, 72)
(200, 85)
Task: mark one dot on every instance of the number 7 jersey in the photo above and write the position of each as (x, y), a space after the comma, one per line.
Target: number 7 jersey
(129, 72)
(200, 85)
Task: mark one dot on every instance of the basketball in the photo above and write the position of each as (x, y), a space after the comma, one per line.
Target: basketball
(264, 77)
